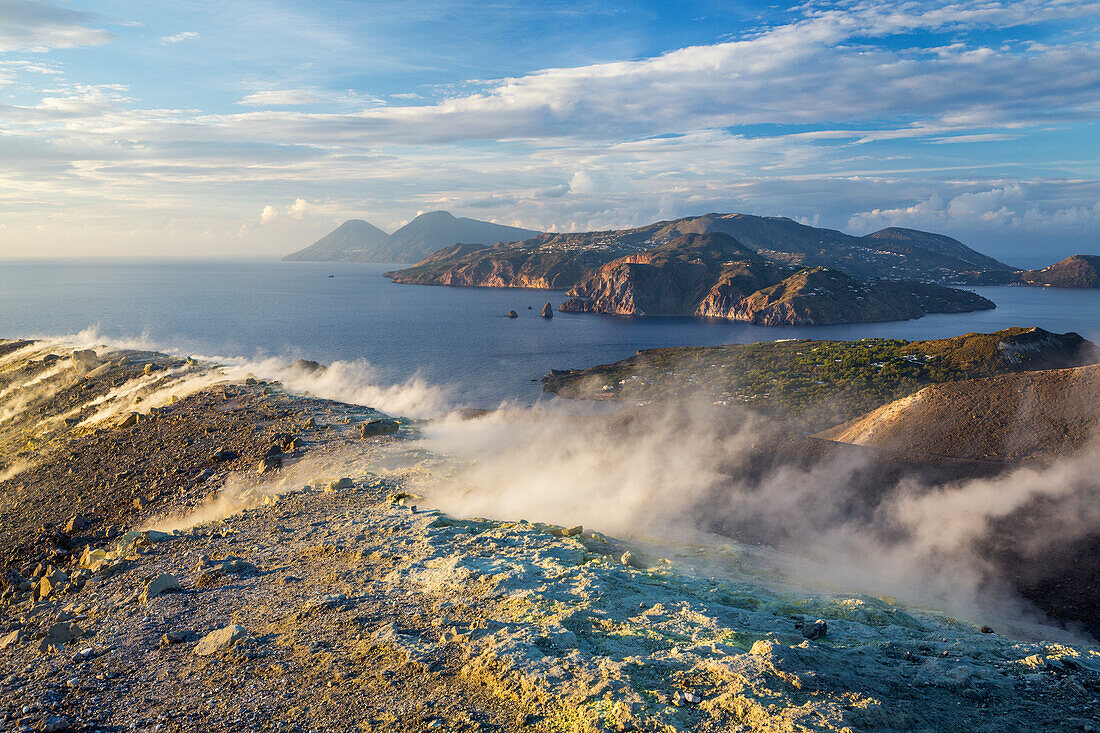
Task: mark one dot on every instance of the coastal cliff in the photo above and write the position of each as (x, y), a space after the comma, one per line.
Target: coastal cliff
(1076, 271)
(715, 276)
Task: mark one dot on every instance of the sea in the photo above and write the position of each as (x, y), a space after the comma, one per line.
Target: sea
(459, 338)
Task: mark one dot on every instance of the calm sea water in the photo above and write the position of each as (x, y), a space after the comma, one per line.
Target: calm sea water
(456, 336)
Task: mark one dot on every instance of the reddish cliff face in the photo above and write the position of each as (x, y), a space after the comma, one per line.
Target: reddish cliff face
(1077, 271)
(680, 280)
(672, 280)
(816, 297)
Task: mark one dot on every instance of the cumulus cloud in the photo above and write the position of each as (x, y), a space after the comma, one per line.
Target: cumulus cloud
(1011, 205)
(298, 210)
(37, 25)
(710, 127)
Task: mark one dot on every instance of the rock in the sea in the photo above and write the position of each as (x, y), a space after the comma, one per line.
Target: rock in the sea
(547, 311)
(162, 583)
(577, 305)
(130, 420)
(513, 314)
(342, 483)
(815, 630)
(378, 426)
(216, 641)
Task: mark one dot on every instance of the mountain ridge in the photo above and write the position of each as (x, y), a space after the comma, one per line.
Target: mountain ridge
(1075, 271)
(359, 241)
(713, 275)
(552, 259)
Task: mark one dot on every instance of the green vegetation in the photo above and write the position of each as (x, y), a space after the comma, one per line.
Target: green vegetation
(812, 385)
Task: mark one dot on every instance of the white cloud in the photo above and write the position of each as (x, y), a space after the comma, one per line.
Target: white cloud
(298, 210)
(38, 25)
(179, 37)
(604, 145)
(280, 98)
(1012, 206)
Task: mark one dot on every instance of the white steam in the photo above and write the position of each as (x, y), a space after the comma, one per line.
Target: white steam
(355, 382)
(684, 471)
(241, 492)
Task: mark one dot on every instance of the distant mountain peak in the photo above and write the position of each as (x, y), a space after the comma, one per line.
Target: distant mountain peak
(358, 241)
(1075, 271)
(348, 241)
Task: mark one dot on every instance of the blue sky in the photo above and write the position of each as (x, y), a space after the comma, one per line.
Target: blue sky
(251, 128)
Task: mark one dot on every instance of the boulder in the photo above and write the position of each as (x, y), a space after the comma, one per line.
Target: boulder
(513, 314)
(231, 564)
(222, 455)
(378, 426)
(636, 560)
(162, 583)
(219, 640)
(130, 420)
(307, 366)
(76, 524)
(268, 464)
(815, 630)
(547, 311)
(342, 483)
(13, 638)
(56, 724)
(46, 588)
(84, 359)
(99, 371)
(175, 637)
(56, 636)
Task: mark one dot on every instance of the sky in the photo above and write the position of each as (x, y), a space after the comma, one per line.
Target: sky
(251, 128)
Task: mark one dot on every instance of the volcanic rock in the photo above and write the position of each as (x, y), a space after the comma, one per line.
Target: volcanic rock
(815, 630)
(378, 426)
(219, 640)
(162, 583)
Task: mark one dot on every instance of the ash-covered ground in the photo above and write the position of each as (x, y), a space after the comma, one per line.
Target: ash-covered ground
(188, 548)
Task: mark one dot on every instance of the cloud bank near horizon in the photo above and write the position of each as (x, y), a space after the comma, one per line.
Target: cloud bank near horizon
(978, 119)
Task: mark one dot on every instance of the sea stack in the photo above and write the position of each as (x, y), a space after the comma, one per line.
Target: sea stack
(547, 311)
